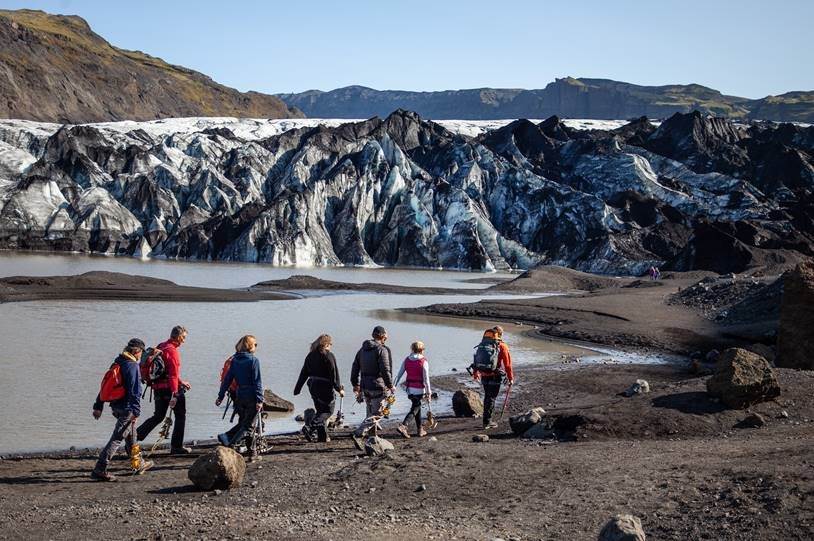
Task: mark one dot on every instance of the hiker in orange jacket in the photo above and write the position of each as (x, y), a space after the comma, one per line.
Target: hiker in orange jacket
(491, 380)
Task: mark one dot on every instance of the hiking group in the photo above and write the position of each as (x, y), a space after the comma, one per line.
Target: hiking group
(159, 369)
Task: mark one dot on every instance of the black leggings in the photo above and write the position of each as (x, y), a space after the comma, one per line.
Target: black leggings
(415, 411)
(322, 393)
(491, 388)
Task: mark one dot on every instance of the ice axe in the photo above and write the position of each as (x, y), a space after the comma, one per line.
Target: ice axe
(430, 422)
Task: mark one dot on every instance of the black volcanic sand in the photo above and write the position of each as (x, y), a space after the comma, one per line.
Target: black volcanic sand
(625, 313)
(304, 282)
(672, 458)
(101, 285)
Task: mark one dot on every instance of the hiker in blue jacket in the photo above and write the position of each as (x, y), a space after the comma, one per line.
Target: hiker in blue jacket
(126, 411)
(245, 370)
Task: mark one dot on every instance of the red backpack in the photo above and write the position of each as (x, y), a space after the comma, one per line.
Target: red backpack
(224, 370)
(112, 384)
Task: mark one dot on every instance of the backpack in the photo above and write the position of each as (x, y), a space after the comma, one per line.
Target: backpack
(112, 388)
(152, 366)
(486, 355)
(224, 370)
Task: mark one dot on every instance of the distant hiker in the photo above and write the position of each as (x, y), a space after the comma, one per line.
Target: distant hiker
(372, 380)
(491, 363)
(651, 272)
(122, 389)
(169, 393)
(319, 369)
(656, 273)
(245, 370)
(418, 387)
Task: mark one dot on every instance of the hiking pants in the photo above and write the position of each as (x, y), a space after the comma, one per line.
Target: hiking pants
(162, 404)
(491, 388)
(246, 409)
(415, 411)
(374, 401)
(124, 431)
(322, 393)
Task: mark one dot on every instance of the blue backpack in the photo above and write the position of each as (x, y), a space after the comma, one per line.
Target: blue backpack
(486, 355)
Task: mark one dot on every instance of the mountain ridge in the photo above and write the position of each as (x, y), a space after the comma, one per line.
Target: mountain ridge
(55, 68)
(569, 97)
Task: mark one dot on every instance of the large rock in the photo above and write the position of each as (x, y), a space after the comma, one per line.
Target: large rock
(795, 340)
(540, 431)
(376, 446)
(639, 386)
(272, 402)
(622, 528)
(223, 468)
(467, 403)
(743, 378)
(521, 423)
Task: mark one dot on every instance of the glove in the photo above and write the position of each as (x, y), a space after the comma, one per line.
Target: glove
(218, 402)
(259, 406)
(97, 414)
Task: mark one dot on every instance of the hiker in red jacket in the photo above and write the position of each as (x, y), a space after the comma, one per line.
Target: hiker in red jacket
(491, 380)
(169, 394)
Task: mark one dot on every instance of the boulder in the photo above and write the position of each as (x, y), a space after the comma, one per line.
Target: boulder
(467, 403)
(743, 378)
(272, 402)
(639, 386)
(795, 339)
(376, 446)
(521, 423)
(622, 528)
(540, 431)
(222, 468)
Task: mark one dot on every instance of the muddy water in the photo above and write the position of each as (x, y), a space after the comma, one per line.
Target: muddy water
(54, 353)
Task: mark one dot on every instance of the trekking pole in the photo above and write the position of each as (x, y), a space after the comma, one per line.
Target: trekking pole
(505, 402)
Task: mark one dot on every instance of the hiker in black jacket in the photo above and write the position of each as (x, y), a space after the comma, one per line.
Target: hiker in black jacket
(319, 369)
(372, 379)
(126, 411)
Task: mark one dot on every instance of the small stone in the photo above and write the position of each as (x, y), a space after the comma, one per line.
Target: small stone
(622, 528)
(254, 484)
(421, 488)
(753, 420)
(218, 492)
(784, 414)
(480, 438)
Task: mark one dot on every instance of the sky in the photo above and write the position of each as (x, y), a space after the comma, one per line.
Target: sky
(748, 48)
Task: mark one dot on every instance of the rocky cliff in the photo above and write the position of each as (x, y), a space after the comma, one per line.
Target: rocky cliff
(55, 68)
(696, 192)
(567, 97)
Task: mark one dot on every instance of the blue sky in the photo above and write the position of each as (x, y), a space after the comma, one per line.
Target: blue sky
(748, 48)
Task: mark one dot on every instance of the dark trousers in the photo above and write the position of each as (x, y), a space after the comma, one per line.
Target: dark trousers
(246, 410)
(491, 388)
(162, 404)
(322, 393)
(415, 411)
(122, 432)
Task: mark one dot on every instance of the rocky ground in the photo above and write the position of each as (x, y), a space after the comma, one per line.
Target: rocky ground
(672, 457)
(671, 314)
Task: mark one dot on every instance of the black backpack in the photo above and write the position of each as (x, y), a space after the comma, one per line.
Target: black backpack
(486, 355)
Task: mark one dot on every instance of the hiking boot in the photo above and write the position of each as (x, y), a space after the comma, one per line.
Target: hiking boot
(180, 451)
(490, 426)
(223, 439)
(357, 441)
(145, 465)
(401, 429)
(307, 433)
(422, 433)
(102, 476)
